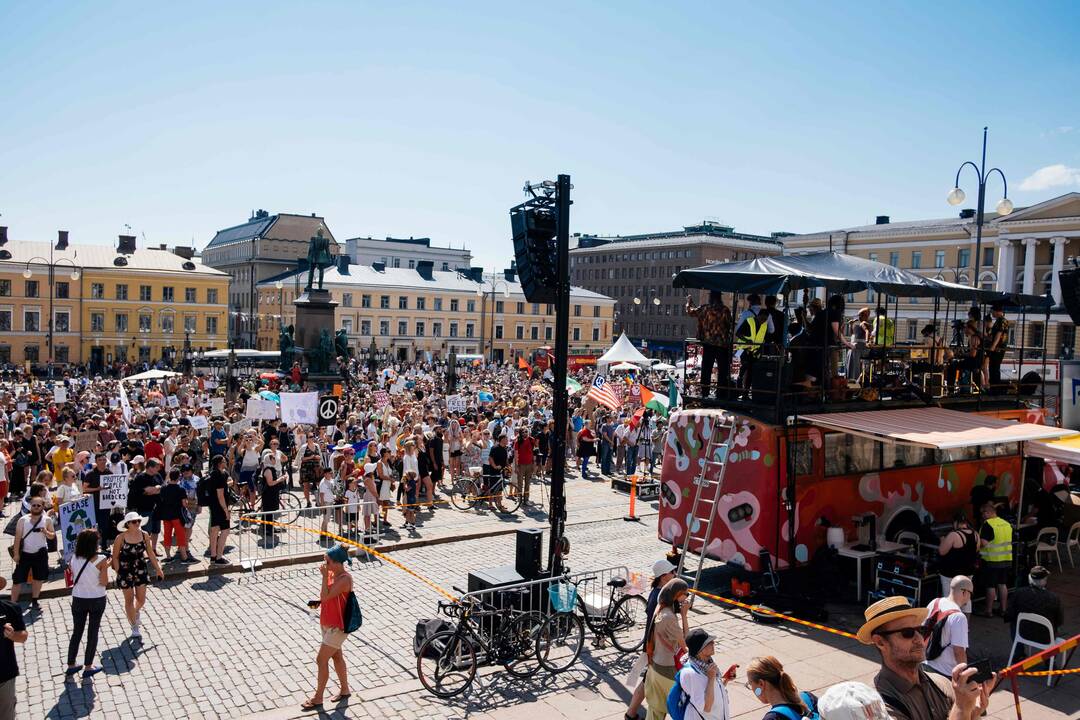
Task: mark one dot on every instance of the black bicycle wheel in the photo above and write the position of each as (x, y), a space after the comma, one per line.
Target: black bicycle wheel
(559, 642)
(626, 624)
(446, 664)
(463, 494)
(511, 500)
(521, 638)
(293, 504)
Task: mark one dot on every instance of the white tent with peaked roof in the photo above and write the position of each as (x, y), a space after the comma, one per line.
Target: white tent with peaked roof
(623, 351)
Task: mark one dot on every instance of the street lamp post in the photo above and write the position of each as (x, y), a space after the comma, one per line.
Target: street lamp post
(1004, 206)
(61, 244)
(280, 286)
(638, 302)
(488, 350)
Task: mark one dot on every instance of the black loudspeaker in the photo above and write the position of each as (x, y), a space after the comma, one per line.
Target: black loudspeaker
(534, 231)
(530, 553)
(764, 376)
(491, 578)
(1070, 292)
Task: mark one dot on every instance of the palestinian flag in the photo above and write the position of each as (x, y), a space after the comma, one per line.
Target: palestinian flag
(654, 401)
(572, 385)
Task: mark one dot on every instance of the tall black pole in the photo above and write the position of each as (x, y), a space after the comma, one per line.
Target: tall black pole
(979, 213)
(559, 399)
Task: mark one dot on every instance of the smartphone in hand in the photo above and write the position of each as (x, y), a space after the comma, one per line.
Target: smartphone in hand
(729, 674)
(984, 671)
(314, 603)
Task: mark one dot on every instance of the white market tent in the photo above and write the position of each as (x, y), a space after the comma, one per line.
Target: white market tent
(151, 375)
(624, 367)
(663, 367)
(623, 351)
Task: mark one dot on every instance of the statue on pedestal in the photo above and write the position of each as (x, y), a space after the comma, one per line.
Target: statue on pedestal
(286, 345)
(341, 344)
(321, 357)
(319, 258)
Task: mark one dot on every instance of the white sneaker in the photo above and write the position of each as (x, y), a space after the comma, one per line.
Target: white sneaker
(135, 632)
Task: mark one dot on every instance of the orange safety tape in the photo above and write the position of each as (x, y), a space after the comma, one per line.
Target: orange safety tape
(363, 547)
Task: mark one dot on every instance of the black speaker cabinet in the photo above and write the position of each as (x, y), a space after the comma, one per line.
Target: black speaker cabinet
(1070, 292)
(530, 553)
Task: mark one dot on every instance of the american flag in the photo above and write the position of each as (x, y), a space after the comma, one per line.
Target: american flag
(601, 393)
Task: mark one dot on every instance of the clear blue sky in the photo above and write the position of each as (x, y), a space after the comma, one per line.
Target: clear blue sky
(424, 119)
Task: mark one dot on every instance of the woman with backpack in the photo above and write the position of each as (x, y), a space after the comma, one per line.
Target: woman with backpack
(336, 585)
(666, 640)
(700, 691)
(765, 677)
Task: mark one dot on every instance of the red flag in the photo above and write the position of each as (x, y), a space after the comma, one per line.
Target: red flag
(522, 365)
(637, 417)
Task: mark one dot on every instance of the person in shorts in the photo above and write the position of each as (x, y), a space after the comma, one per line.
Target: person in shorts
(333, 591)
(370, 505)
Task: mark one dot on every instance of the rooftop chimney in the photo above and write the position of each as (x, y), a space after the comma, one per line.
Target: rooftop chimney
(184, 251)
(882, 220)
(126, 245)
(509, 274)
(378, 266)
(967, 213)
(61, 239)
(477, 274)
(3, 234)
(426, 268)
(343, 264)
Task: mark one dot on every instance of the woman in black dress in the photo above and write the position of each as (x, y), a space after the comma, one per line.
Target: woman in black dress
(132, 555)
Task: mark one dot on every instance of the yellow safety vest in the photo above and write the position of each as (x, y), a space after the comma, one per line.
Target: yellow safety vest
(756, 339)
(1000, 548)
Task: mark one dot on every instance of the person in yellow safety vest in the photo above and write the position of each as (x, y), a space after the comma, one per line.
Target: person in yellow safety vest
(749, 338)
(996, 551)
(884, 330)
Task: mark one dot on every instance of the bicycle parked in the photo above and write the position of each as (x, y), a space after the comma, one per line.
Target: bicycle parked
(468, 493)
(291, 505)
(446, 662)
(562, 635)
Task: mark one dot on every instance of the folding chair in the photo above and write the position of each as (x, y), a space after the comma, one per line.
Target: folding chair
(1047, 542)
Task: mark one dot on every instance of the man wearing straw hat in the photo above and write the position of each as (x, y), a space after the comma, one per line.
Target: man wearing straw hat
(896, 629)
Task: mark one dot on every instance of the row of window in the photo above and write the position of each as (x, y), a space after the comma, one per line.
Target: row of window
(963, 258)
(602, 259)
(626, 273)
(31, 322)
(32, 289)
(62, 353)
(396, 262)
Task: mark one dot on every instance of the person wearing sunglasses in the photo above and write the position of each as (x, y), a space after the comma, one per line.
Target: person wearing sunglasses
(898, 631)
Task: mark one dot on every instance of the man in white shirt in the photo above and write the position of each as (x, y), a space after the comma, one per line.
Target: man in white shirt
(954, 633)
(30, 551)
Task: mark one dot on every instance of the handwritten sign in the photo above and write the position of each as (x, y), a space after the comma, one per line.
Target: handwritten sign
(173, 401)
(239, 426)
(199, 422)
(300, 408)
(76, 516)
(217, 406)
(114, 491)
(259, 409)
(59, 395)
(455, 403)
(86, 440)
(382, 398)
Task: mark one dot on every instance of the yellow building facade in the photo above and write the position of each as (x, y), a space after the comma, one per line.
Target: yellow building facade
(411, 316)
(107, 305)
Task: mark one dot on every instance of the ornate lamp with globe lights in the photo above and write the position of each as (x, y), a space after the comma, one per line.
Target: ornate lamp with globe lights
(957, 196)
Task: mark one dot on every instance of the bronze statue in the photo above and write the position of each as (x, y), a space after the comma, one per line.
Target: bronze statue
(286, 346)
(341, 344)
(321, 357)
(318, 257)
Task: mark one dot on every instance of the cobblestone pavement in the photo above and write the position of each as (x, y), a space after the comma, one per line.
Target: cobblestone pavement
(226, 646)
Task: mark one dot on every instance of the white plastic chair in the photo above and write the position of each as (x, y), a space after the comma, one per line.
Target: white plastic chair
(1021, 618)
(1047, 542)
(1072, 540)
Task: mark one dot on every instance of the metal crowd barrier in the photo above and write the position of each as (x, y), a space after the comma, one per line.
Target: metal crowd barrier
(532, 595)
(290, 533)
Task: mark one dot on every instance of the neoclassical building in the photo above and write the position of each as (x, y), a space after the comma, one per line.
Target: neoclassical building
(1021, 252)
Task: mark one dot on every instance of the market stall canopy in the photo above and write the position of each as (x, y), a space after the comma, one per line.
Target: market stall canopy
(1066, 450)
(623, 351)
(951, 428)
(151, 375)
(837, 273)
(624, 367)
(662, 367)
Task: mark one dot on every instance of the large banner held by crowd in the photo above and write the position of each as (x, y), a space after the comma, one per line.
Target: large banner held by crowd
(76, 516)
(300, 408)
(114, 491)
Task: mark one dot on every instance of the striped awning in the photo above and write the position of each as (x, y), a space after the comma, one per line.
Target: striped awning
(934, 427)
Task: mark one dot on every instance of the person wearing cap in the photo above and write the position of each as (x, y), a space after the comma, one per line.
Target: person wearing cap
(954, 633)
(1035, 598)
(701, 680)
(334, 589)
(852, 701)
(899, 633)
(662, 571)
(131, 558)
(59, 456)
(666, 640)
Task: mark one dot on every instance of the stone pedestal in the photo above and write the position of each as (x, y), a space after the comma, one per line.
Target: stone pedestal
(315, 313)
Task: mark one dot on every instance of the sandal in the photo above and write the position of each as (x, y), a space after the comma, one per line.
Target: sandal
(308, 705)
(340, 696)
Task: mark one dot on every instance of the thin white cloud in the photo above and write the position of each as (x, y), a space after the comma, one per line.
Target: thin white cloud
(1052, 176)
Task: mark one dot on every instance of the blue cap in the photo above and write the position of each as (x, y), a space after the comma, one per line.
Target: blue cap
(339, 554)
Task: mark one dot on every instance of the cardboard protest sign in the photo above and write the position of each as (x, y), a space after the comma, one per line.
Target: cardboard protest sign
(59, 395)
(114, 491)
(382, 398)
(217, 406)
(173, 401)
(239, 426)
(76, 516)
(86, 440)
(199, 422)
(455, 403)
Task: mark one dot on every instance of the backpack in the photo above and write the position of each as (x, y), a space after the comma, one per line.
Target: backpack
(808, 700)
(352, 617)
(678, 699)
(936, 620)
(202, 491)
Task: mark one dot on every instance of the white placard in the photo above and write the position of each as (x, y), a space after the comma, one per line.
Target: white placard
(199, 422)
(114, 491)
(300, 408)
(455, 403)
(59, 395)
(174, 402)
(239, 426)
(75, 516)
(259, 409)
(382, 398)
(210, 384)
(217, 406)
(21, 407)
(397, 388)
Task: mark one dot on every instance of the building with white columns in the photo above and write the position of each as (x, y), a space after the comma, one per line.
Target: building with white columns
(1021, 252)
